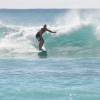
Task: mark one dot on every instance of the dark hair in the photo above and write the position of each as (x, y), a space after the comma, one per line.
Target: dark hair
(45, 26)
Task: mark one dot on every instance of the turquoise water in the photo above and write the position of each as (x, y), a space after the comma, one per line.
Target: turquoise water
(70, 69)
(46, 79)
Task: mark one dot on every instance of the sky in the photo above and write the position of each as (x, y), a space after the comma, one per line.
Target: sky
(31, 4)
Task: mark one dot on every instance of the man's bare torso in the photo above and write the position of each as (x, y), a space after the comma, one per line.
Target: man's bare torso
(43, 30)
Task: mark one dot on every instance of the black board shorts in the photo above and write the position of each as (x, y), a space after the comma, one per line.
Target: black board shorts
(38, 37)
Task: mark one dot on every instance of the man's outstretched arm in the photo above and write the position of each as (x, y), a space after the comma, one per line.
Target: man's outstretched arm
(51, 31)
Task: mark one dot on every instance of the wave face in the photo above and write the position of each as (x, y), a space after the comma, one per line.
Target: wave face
(78, 32)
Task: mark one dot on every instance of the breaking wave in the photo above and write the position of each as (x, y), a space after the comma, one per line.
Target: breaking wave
(78, 35)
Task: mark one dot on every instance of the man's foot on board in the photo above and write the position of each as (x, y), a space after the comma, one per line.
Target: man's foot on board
(42, 50)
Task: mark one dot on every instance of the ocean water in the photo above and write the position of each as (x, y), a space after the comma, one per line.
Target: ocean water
(70, 70)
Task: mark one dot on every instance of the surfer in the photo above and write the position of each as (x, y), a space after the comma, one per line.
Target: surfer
(39, 35)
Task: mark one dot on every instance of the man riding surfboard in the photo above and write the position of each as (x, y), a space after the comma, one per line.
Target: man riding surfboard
(39, 36)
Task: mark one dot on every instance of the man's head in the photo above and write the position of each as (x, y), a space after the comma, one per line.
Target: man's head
(45, 26)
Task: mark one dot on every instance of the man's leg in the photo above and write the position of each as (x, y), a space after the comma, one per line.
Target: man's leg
(41, 44)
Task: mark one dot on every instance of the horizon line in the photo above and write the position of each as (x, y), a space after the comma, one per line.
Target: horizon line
(45, 8)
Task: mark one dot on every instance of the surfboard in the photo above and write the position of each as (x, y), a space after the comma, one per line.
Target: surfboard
(42, 54)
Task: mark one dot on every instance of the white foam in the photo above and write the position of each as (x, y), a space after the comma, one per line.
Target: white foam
(20, 41)
(71, 21)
